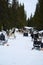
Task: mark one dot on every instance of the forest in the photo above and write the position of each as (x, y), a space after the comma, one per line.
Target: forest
(14, 15)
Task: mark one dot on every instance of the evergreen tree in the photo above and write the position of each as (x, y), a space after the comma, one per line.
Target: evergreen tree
(41, 13)
(3, 10)
(38, 17)
(12, 14)
(30, 21)
(21, 16)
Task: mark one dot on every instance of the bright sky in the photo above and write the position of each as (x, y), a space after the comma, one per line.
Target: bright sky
(30, 6)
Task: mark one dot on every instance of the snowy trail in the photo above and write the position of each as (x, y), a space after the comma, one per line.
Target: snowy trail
(19, 52)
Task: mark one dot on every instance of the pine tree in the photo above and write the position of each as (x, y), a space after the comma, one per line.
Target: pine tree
(3, 10)
(21, 16)
(41, 13)
(38, 17)
(12, 15)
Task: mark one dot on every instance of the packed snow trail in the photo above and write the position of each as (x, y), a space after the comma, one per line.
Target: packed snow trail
(19, 52)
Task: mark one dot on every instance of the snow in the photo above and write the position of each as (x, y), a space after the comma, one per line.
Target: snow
(41, 31)
(19, 52)
(28, 27)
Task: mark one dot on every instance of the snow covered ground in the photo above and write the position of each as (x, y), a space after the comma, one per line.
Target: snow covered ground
(19, 52)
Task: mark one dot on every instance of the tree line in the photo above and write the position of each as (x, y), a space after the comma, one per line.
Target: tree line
(14, 15)
(37, 20)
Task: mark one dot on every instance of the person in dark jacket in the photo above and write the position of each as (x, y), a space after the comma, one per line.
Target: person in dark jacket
(2, 37)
